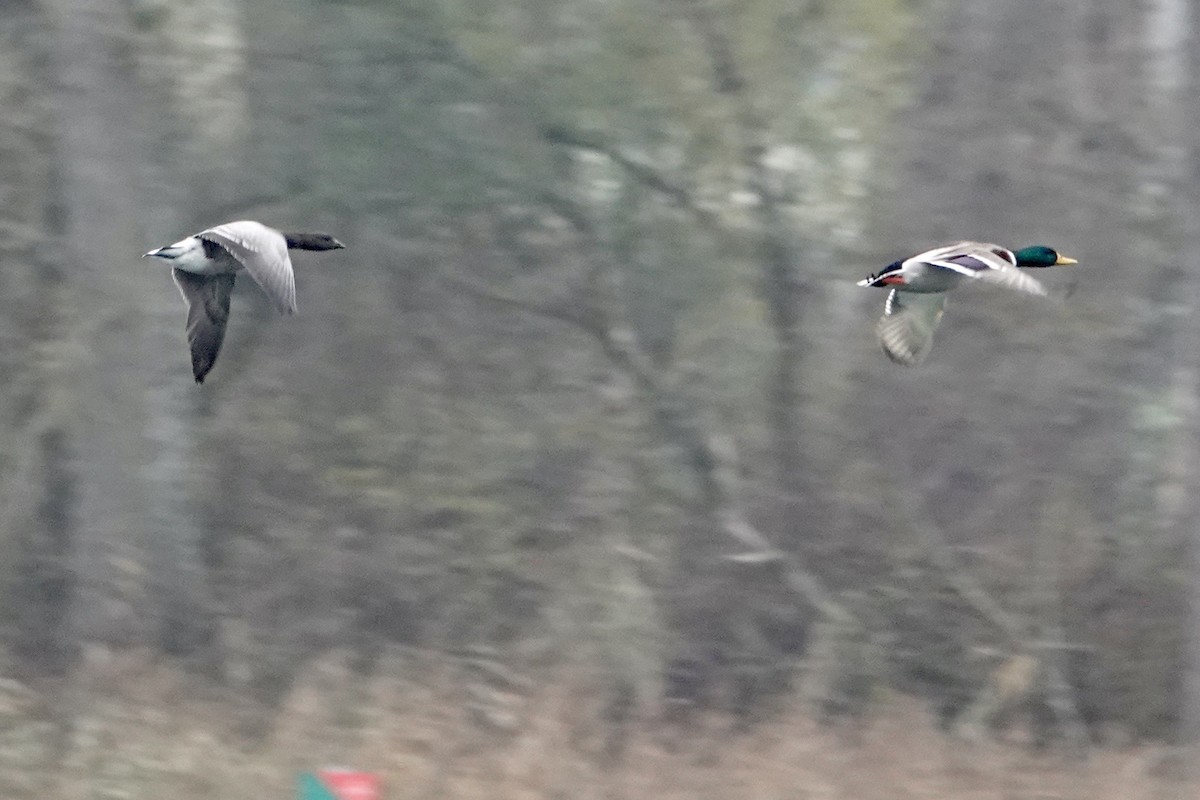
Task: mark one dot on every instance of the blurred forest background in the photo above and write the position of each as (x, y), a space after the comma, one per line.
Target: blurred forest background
(580, 473)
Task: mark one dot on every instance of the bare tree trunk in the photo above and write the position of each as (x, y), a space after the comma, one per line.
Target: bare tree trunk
(1190, 715)
(149, 125)
(1190, 353)
(96, 193)
(46, 583)
(136, 539)
(777, 253)
(37, 476)
(197, 140)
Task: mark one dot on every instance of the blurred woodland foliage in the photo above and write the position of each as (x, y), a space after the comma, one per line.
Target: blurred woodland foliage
(591, 384)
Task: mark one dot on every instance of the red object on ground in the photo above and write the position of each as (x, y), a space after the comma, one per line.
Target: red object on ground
(349, 785)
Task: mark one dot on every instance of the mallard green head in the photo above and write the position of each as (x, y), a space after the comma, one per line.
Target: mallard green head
(1040, 256)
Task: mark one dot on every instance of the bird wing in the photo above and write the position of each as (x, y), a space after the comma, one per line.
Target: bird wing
(207, 298)
(987, 262)
(263, 253)
(905, 331)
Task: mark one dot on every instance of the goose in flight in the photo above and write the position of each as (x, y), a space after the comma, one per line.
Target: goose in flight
(205, 265)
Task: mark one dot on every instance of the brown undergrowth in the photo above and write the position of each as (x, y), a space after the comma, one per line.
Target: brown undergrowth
(142, 729)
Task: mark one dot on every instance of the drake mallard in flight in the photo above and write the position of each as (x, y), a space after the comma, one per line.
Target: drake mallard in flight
(919, 285)
(204, 266)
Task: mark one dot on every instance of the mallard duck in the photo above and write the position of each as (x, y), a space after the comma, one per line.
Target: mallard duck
(919, 285)
(205, 264)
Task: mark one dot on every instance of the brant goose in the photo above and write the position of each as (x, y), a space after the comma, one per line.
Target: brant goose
(204, 267)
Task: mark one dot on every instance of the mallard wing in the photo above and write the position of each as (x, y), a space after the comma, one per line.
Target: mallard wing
(990, 263)
(905, 330)
(262, 251)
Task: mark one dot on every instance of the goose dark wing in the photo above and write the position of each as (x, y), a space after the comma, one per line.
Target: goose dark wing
(905, 331)
(262, 251)
(207, 298)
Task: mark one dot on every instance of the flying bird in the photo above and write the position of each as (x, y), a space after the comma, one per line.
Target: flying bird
(919, 284)
(205, 265)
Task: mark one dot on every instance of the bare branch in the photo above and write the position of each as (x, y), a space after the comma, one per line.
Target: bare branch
(568, 312)
(710, 454)
(963, 584)
(638, 170)
(727, 78)
(776, 253)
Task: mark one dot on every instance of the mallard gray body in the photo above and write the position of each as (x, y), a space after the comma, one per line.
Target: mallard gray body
(919, 284)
